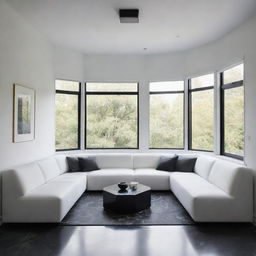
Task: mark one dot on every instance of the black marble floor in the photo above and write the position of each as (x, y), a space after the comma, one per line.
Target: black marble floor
(165, 210)
(116, 235)
(195, 240)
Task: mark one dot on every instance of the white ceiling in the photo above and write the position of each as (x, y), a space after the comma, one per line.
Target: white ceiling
(92, 26)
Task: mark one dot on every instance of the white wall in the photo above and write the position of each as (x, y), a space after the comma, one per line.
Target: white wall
(122, 69)
(25, 58)
(68, 64)
(237, 46)
(139, 69)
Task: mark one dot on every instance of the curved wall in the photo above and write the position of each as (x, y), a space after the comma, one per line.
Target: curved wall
(235, 47)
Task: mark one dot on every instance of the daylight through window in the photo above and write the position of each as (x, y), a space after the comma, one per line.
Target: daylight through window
(167, 114)
(67, 107)
(111, 115)
(232, 112)
(201, 113)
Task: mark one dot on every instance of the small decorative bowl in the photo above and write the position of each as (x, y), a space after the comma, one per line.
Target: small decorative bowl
(133, 185)
(123, 186)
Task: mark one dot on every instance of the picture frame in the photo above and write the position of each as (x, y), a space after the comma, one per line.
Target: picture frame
(23, 113)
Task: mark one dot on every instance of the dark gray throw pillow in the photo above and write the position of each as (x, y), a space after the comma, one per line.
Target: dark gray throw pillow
(167, 163)
(186, 164)
(73, 164)
(88, 164)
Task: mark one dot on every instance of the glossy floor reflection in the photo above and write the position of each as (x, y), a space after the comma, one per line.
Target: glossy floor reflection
(206, 240)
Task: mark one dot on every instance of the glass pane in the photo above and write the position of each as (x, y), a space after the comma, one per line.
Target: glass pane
(234, 121)
(166, 120)
(111, 121)
(202, 103)
(234, 74)
(66, 121)
(167, 86)
(111, 87)
(202, 81)
(67, 85)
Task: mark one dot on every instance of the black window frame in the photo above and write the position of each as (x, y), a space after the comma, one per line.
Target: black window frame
(190, 91)
(111, 93)
(224, 87)
(169, 92)
(78, 93)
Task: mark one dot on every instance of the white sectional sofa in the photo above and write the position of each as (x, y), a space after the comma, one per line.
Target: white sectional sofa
(43, 191)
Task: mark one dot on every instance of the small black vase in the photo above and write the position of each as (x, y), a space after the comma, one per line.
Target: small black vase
(123, 186)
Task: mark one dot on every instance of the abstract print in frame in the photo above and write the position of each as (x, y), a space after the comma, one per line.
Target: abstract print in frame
(23, 114)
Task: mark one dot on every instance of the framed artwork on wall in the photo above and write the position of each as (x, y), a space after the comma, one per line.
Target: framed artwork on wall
(23, 113)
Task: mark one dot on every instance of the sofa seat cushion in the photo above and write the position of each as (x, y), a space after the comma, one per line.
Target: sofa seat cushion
(71, 177)
(50, 202)
(97, 180)
(155, 179)
(204, 201)
(194, 184)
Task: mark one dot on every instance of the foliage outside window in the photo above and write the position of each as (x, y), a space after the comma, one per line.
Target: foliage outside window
(232, 112)
(111, 115)
(201, 113)
(67, 107)
(167, 114)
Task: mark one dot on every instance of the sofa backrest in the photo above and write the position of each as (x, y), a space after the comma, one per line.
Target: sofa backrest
(114, 161)
(22, 179)
(150, 160)
(49, 167)
(118, 160)
(106, 161)
(204, 165)
(231, 177)
(145, 160)
(62, 162)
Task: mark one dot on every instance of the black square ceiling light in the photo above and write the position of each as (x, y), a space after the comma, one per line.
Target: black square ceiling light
(129, 15)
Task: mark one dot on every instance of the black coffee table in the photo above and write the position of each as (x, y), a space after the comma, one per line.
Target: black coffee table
(130, 201)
